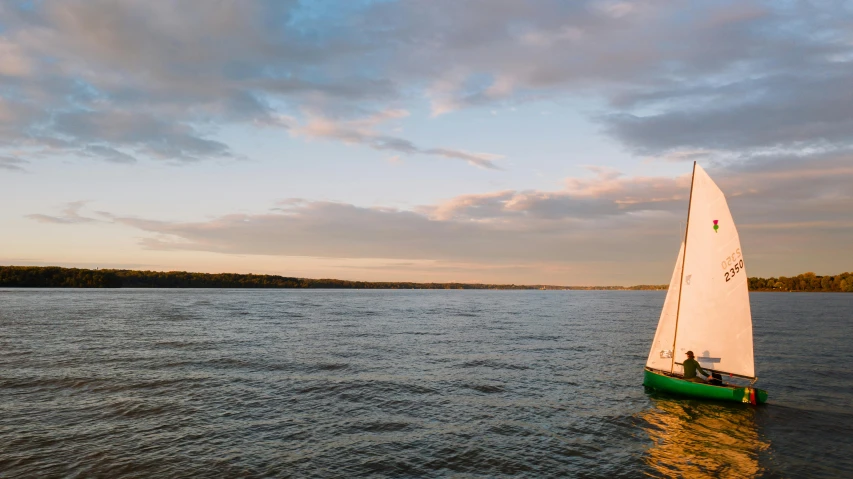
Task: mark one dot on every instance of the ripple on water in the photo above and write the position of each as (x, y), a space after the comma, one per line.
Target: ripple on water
(206, 383)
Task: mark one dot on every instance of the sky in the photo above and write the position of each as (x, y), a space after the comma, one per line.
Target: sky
(497, 141)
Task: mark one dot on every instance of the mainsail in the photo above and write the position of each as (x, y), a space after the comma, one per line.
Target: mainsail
(712, 302)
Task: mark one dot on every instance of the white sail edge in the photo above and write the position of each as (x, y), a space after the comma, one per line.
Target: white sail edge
(660, 355)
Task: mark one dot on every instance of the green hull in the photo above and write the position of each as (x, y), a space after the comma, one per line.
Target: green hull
(674, 385)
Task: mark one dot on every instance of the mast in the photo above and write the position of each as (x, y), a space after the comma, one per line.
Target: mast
(683, 257)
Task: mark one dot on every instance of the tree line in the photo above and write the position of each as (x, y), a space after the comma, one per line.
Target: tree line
(56, 277)
(839, 283)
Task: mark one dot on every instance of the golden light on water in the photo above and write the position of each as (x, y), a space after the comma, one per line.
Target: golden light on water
(702, 440)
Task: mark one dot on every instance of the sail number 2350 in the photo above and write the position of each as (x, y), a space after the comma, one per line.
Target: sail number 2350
(733, 264)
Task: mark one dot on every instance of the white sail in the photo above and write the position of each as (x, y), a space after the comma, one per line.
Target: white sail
(660, 356)
(714, 319)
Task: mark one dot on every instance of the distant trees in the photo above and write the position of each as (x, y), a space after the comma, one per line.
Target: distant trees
(56, 277)
(840, 283)
(182, 279)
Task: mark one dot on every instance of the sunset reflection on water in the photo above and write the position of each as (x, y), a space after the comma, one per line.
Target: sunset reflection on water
(696, 439)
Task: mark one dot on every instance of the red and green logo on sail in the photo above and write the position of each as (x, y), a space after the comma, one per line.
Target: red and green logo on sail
(716, 226)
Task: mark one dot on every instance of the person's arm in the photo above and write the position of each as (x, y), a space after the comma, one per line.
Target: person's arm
(701, 370)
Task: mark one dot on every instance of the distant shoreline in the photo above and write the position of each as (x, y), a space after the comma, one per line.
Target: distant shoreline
(58, 277)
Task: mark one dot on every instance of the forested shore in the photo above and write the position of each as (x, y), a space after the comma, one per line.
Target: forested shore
(839, 283)
(57, 277)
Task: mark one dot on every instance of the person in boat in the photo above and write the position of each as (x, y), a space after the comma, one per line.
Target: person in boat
(691, 366)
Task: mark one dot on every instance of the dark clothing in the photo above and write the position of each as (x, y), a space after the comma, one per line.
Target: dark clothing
(690, 368)
(715, 379)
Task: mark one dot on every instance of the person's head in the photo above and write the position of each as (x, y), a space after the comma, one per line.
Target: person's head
(689, 354)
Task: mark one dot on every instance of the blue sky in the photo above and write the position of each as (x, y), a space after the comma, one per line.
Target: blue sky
(495, 141)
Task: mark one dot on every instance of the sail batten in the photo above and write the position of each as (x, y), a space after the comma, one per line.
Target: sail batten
(711, 316)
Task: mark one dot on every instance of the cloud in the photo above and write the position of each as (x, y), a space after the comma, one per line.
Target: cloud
(322, 229)
(137, 76)
(598, 200)
(810, 110)
(145, 133)
(133, 77)
(558, 47)
(15, 63)
(673, 75)
(362, 131)
(69, 215)
(109, 154)
(12, 164)
(628, 226)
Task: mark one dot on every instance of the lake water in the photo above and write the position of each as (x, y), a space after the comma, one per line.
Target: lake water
(353, 383)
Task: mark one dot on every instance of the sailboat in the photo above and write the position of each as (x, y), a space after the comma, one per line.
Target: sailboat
(707, 305)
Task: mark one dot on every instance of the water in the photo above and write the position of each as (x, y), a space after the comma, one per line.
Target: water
(325, 383)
